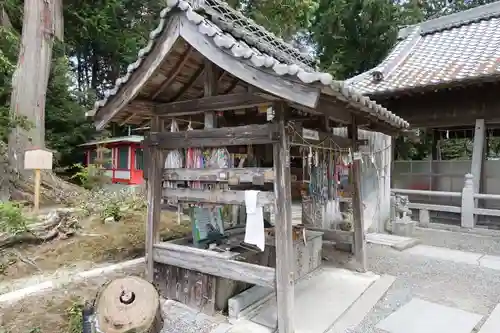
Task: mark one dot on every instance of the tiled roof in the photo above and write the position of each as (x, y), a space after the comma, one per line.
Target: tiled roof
(451, 49)
(234, 39)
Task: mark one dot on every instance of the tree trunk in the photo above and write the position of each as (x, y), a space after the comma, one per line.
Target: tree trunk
(41, 22)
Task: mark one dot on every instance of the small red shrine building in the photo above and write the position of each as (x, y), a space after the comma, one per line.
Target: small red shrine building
(125, 155)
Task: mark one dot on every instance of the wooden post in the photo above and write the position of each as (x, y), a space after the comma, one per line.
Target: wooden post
(154, 182)
(210, 89)
(359, 247)
(331, 206)
(36, 203)
(283, 226)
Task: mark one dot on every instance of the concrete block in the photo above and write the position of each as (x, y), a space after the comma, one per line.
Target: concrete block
(245, 299)
(403, 227)
(363, 305)
(424, 218)
(419, 316)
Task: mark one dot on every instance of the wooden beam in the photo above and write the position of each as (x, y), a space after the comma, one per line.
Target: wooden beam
(154, 184)
(214, 263)
(302, 94)
(211, 103)
(214, 137)
(174, 72)
(140, 76)
(257, 176)
(218, 196)
(189, 84)
(283, 226)
(357, 203)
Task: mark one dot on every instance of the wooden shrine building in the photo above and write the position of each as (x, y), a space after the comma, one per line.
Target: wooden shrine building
(125, 158)
(444, 75)
(207, 63)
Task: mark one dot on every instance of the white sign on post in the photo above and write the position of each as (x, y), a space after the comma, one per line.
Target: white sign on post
(37, 159)
(40, 159)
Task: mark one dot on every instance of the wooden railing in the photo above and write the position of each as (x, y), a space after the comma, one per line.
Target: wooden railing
(469, 203)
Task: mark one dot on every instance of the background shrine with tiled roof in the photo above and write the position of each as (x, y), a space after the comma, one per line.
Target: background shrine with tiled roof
(442, 73)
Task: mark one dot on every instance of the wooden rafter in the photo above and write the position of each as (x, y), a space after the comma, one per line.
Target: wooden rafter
(212, 103)
(231, 87)
(300, 93)
(127, 119)
(174, 72)
(189, 84)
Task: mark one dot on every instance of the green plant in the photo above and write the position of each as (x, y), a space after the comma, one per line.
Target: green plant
(112, 209)
(90, 176)
(12, 219)
(74, 314)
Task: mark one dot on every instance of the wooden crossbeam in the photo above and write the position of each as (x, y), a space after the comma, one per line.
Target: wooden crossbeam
(257, 176)
(215, 197)
(214, 137)
(213, 263)
(210, 103)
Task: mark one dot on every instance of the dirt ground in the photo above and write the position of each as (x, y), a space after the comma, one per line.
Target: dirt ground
(58, 311)
(95, 243)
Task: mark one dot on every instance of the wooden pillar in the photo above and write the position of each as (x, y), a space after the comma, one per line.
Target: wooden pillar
(359, 247)
(210, 89)
(434, 157)
(331, 207)
(154, 185)
(331, 164)
(283, 226)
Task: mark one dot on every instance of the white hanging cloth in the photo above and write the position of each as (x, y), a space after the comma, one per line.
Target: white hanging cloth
(254, 229)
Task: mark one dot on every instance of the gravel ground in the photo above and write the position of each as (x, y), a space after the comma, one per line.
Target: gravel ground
(467, 287)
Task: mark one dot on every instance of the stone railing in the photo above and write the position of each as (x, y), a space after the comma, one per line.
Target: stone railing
(469, 203)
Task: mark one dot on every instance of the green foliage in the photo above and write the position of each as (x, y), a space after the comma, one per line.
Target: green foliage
(74, 315)
(91, 176)
(12, 219)
(112, 209)
(354, 35)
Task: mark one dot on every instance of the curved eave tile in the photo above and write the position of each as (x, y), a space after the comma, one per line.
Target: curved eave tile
(239, 49)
